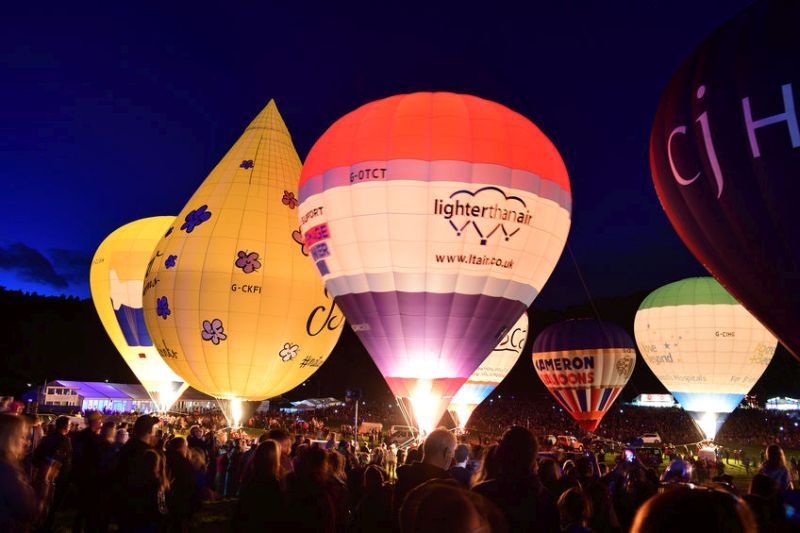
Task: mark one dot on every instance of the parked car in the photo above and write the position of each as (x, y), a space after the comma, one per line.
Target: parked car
(650, 438)
(566, 442)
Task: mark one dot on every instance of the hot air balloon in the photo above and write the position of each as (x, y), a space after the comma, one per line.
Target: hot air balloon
(116, 279)
(232, 303)
(488, 376)
(704, 346)
(725, 154)
(434, 219)
(585, 364)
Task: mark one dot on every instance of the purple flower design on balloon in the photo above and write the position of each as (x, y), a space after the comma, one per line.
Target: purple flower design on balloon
(213, 331)
(195, 218)
(162, 307)
(169, 262)
(248, 262)
(289, 199)
(288, 352)
(247, 163)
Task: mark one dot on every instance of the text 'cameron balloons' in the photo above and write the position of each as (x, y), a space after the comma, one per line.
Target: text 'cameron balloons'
(725, 157)
(116, 278)
(434, 219)
(488, 376)
(233, 304)
(584, 364)
(706, 349)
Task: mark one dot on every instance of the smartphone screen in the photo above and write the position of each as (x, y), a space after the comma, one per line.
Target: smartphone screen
(629, 455)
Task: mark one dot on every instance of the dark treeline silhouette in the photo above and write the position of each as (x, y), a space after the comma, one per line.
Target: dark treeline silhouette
(48, 337)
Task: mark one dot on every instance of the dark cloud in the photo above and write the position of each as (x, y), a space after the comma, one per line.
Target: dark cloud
(30, 265)
(72, 265)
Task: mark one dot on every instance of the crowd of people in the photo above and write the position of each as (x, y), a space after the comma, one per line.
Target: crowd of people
(144, 473)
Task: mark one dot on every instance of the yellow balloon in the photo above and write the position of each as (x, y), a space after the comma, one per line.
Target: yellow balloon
(233, 304)
(116, 279)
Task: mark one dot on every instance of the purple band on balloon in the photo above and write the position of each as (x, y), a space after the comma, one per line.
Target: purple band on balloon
(432, 171)
(425, 334)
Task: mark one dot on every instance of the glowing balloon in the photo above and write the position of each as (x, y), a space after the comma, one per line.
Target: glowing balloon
(585, 364)
(725, 156)
(434, 219)
(488, 376)
(116, 279)
(232, 303)
(704, 346)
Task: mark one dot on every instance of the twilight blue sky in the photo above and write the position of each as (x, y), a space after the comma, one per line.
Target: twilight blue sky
(113, 113)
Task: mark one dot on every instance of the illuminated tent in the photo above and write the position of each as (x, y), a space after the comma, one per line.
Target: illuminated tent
(704, 346)
(233, 304)
(434, 219)
(584, 364)
(488, 376)
(115, 278)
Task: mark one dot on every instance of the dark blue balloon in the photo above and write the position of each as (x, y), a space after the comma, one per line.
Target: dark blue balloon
(725, 157)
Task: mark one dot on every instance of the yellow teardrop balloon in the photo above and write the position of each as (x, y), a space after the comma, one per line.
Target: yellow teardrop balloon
(233, 304)
(116, 278)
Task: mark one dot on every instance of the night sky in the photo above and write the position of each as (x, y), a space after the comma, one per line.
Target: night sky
(118, 113)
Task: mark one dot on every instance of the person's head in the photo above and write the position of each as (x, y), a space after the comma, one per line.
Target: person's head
(574, 508)
(62, 425)
(549, 471)
(488, 468)
(678, 470)
(178, 445)
(443, 506)
(373, 478)
(121, 437)
(439, 448)
(267, 460)
(413, 455)
(331, 437)
(313, 464)
(584, 467)
(704, 509)
(13, 438)
(196, 432)
(516, 453)
(283, 438)
(462, 453)
(197, 458)
(143, 428)
(336, 461)
(94, 420)
(774, 456)
(107, 430)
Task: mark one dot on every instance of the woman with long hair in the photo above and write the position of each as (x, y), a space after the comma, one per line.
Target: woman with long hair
(262, 504)
(515, 488)
(146, 493)
(181, 495)
(488, 467)
(19, 507)
(774, 466)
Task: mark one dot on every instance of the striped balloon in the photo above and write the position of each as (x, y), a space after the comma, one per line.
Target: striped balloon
(490, 374)
(434, 219)
(585, 364)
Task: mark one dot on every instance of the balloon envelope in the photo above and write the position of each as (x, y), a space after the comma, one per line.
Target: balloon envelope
(725, 156)
(703, 346)
(116, 279)
(232, 303)
(490, 374)
(585, 364)
(434, 219)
